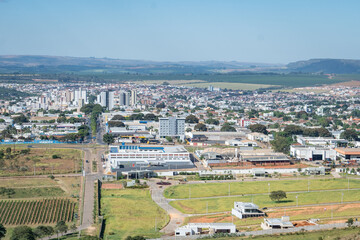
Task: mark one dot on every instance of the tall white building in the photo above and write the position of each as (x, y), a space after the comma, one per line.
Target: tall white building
(80, 95)
(133, 97)
(172, 127)
(107, 99)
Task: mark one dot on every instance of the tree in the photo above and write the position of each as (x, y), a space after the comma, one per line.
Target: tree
(191, 119)
(22, 233)
(20, 119)
(118, 117)
(212, 121)
(227, 128)
(108, 138)
(61, 227)
(42, 231)
(293, 130)
(200, 127)
(161, 105)
(277, 195)
(258, 128)
(350, 222)
(116, 124)
(2, 231)
(150, 116)
(281, 144)
(349, 134)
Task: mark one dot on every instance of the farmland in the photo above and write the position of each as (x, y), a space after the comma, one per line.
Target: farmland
(239, 188)
(32, 212)
(27, 161)
(130, 212)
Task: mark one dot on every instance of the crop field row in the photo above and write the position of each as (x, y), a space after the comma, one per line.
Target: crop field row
(19, 212)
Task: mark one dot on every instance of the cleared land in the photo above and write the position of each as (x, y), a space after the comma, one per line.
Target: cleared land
(33, 212)
(296, 213)
(45, 161)
(130, 212)
(40, 187)
(225, 204)
(238, 188)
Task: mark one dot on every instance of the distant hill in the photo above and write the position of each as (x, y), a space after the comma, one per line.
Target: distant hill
(53, 64)
(337, 66)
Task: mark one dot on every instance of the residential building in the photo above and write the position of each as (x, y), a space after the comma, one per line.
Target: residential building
(172, 127)
(277, 223)
(246, 210)
(205, 228)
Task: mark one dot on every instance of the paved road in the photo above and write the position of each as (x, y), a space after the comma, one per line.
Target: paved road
(176, 217)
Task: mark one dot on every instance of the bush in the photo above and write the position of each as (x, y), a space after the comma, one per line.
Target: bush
(55, 156)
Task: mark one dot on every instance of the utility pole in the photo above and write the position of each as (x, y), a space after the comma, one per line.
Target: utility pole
(229, 189)
(189, 192)
(342, 197)
(308, 185)
(206, 207)
(297, 201)
(269, 188)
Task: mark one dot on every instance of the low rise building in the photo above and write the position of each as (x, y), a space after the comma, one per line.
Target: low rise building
(312, 153)
(205, 228)
(277, 223)
(246, 210)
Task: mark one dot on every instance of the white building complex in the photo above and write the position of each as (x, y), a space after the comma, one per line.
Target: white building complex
(172, 127)
(312, 153)
(135, 156)
(205, 228)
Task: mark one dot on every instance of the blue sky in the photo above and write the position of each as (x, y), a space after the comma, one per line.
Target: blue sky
(273, 31)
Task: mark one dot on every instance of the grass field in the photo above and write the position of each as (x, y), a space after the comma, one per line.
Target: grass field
(18, 163)
(238, 188)
(131, 212)
(198, 206)
(228, 85)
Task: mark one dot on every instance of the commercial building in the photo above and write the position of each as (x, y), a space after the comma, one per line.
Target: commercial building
(321, 141)
(142, 156)
(349, 154)
(312, 153)
(205, 228)
(172, 127)
(246, 210)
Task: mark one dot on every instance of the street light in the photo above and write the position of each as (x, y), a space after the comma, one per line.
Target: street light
(342, 196)
(269, 187)
(297, 201)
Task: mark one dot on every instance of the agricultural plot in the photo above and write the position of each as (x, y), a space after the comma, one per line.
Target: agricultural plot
(34, 212)
(239, 188)
(27, 161)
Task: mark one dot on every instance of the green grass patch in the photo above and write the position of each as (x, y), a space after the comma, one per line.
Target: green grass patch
(198, 206)
(238, 188)
(33, 192)
(131, 212)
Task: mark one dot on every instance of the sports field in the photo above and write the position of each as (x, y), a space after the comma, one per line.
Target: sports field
(131, 212)
(238, 188)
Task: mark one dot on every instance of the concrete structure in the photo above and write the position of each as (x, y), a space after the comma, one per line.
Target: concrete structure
(205, 228)
(124, 155)
(349, 154)
(172, 127)
(277, 223)
(107, 99)
(133, 98)
(321, 141)
(246, 210)
(241, 143)
(255, 136)
(124, 98)
(312, 153)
